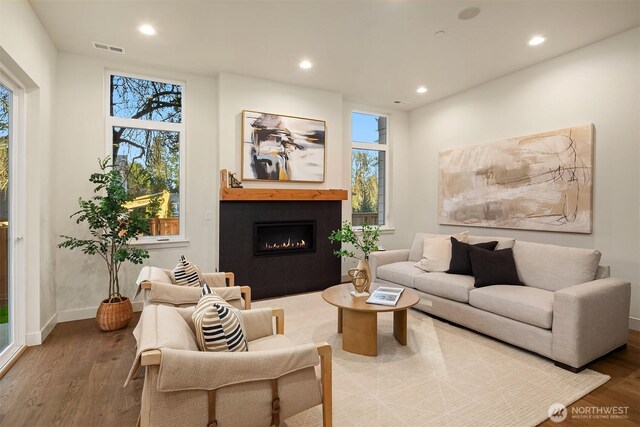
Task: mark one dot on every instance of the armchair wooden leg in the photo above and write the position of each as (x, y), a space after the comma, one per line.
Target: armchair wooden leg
(245, 292)
(278, 313)
(324, 350)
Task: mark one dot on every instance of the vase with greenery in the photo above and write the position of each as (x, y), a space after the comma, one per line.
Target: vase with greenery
(364, 240)
(112, 228)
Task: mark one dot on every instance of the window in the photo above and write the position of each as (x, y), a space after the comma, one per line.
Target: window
(145, 128)
(368, 168)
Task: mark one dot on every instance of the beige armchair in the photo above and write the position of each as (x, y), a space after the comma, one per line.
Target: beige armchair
(273, 381)
(157, 286)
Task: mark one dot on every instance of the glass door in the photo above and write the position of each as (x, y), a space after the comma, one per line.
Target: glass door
(8, 344)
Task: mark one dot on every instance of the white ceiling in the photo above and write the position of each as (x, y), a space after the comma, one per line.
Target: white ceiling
(373, 52)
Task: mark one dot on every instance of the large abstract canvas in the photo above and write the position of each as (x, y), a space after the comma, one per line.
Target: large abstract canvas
(282, 148)
(536, 182)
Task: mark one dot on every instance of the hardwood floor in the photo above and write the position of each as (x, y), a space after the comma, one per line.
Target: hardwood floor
(76, 377)
(623, 389)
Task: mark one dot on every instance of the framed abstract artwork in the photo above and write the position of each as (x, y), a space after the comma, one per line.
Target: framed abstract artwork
(536, 182)
(277, 147)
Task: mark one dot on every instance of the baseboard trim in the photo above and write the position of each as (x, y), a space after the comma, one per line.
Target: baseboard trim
(88, 313)
(634, 323)
(37, 338)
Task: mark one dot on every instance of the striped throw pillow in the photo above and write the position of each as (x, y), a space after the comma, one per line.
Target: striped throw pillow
(205, 289)
(218, 325)
(186, 273)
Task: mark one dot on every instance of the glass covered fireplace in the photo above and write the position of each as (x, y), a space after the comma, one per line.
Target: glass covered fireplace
(285, 237)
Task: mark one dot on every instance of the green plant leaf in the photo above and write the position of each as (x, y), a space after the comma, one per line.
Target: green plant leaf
(112, 226)
(366, 243)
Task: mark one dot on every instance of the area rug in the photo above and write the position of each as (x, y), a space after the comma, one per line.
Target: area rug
(445, 376)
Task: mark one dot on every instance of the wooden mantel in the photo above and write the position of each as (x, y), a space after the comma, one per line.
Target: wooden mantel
(258, 194)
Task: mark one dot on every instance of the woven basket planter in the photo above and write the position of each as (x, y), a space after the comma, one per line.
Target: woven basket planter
(112, 316)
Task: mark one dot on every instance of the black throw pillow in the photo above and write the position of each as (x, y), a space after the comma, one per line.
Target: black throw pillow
(460, 261)
(493, 267)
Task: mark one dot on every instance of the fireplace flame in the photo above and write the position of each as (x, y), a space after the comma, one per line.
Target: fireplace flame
(286, 245)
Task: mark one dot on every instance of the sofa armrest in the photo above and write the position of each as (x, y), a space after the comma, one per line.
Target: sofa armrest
(590, 320)
(258, 323)
(150, 274)
(378, 259)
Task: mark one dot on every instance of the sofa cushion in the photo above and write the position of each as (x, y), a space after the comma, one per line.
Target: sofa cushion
(451, 286)
(493, 267)
(460, 261)
(271, 342)
(415, 253)
(436, 252)
(402, 273)
(553, 267)
(523, 303)
(503, 242)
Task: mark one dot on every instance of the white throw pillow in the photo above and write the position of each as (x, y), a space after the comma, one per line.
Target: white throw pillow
(436, 252)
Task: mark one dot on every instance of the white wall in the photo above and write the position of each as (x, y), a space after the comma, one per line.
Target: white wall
(397, 232)
(597, 84)
(80, 140)
(80, 137)
(27, 51)
(237, 93)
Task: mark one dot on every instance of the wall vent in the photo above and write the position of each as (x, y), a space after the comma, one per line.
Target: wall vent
(108, 48)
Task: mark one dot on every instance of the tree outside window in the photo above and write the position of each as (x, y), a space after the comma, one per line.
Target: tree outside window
(146, 120)
(368, 168)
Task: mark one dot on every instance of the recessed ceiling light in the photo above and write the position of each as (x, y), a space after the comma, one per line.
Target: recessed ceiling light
(469, 13)
(306, 64)
(147, 30)
(536, 40)
(421, 89)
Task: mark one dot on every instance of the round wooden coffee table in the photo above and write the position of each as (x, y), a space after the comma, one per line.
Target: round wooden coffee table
(358, 321)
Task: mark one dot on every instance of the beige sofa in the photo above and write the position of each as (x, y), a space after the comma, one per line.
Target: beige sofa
(569, 310)
(273, 381)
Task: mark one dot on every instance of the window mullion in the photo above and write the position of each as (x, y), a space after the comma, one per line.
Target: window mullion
(145, 124)
(367, 146)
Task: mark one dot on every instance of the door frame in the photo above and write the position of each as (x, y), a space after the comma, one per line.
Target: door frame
(17, 213)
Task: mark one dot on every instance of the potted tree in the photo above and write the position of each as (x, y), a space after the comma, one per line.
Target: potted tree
(365, 241)
(112, 227)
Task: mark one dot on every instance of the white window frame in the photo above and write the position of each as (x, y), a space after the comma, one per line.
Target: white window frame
(17, 185)
(387, 160)
(111, 122)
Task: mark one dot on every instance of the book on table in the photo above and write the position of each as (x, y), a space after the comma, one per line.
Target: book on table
(385, 295)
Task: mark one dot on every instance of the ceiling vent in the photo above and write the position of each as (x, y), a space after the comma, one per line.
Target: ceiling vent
(108, 48)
